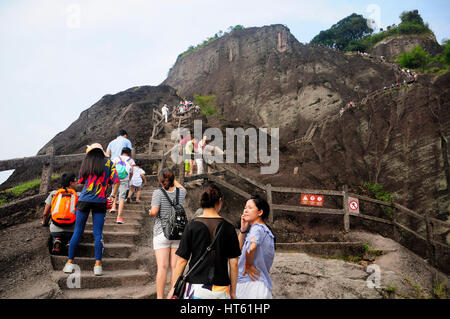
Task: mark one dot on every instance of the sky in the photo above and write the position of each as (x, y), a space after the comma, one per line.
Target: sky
(59, 57)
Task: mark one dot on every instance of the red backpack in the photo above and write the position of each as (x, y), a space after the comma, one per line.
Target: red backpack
(63, 209)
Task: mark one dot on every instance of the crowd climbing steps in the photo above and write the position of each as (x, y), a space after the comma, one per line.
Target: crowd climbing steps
(124, 275)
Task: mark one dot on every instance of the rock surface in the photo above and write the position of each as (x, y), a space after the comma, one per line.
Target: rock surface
(264, 76)
(391, 47)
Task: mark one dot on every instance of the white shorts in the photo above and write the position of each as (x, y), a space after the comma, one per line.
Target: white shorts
(253, 290)
(160, 241)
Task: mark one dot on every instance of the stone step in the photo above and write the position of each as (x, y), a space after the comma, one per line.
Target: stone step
(131, 225)
(113, 250)
(87, 279)
(112, 237)
(135, 206)
(144, 199)
(126, 212)
(131, 219)
(134, 292)
(87, 263)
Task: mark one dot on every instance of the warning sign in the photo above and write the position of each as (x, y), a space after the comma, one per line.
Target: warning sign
(311, 199)
(353, 205)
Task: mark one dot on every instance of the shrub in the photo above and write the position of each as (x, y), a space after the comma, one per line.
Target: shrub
(380, 194)
(417, 58)
(207, 104)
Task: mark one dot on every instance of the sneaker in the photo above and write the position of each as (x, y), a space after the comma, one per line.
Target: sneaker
(120, 221)
(98, 270)
(68, 268)
(112, 211)
(56, 246)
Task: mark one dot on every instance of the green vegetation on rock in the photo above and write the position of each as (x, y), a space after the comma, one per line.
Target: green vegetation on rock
(418, 58)
(13, 193)
(208, 41)
(342, 34)
(353, 33)
(380, 194)
(208, 105)
(411, 24)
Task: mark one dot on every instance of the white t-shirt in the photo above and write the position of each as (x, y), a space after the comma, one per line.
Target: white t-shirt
(136, 179)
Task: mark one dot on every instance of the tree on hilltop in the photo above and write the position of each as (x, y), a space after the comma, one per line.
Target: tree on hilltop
(343, 33)
(411, 17)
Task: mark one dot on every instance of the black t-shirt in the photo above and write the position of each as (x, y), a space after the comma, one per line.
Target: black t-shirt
(197, 236)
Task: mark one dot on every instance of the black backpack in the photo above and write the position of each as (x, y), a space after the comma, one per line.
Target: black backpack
(177, 219)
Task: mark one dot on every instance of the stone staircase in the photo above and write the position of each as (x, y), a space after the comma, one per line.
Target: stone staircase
(124, 274)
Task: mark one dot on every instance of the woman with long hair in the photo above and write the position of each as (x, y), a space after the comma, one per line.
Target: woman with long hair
(96, 173)
(258, 250)
(211, 279)
(161, 209)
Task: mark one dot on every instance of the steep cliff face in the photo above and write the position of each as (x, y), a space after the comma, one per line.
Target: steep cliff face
(391, 47)
(130, 110)
(266, 77)
(396, 138)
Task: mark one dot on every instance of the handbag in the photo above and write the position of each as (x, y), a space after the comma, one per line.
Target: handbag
(180, 285)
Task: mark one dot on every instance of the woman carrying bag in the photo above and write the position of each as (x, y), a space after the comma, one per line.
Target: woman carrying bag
(209, 277)
(96, 173)
(160, 209)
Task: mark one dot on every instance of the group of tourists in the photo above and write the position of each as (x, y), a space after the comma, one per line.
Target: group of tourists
(193, 151)
(238, 266)
(67, 211)
(407, 75)
(185, 106)
(233, 266)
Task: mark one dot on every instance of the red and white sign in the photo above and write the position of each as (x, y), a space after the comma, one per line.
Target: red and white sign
(311, 199)
(353, 205)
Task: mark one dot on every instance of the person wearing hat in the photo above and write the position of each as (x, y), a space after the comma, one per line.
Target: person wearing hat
(96, 173)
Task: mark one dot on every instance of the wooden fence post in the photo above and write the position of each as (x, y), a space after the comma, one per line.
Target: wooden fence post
(269, 201)
(396, 233)
(430, 237)
(182, 168)
(163, 162)
(47, 170)
(346, 210)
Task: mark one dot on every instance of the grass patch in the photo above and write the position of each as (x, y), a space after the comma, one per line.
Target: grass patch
(418, 291)
(12, 193)
(391, 289)
(440, 290)
(21, 188)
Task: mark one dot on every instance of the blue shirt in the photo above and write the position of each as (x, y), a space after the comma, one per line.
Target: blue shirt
(265, 252)
(117, 145)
